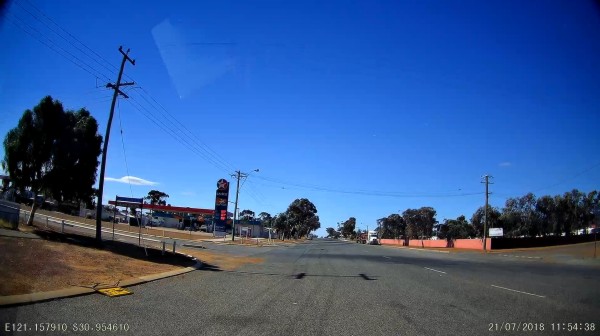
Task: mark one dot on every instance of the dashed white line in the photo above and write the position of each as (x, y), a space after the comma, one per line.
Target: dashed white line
(431, 269)
(514, 290)
(386, 257)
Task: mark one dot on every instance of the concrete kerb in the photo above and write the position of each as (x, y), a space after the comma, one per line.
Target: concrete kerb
(13, 300)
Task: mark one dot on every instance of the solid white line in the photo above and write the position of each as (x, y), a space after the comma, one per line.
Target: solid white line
(431, 269)
(513, 290)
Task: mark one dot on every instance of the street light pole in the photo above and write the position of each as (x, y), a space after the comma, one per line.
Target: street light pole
(237, 192)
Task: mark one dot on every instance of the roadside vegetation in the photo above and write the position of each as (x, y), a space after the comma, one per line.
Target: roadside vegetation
(526, 216)
(298, 221)
(53, 153)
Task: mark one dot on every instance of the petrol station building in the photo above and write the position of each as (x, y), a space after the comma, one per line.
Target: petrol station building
(170, 216)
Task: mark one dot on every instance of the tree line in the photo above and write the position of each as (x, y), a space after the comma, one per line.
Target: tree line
(525, 216)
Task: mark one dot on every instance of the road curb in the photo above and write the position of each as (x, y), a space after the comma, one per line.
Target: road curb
(22, 299)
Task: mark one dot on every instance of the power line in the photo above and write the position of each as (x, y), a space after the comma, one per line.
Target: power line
(249, 191)
(12, 20)
(252, 189)
(365, 192)
(123, 143)
(173, 133)
(114, 67)
(172, 126)
(210, 155)
(569, 178)
(64, 38)
(197, 146)
(200, 143)
(554, 184)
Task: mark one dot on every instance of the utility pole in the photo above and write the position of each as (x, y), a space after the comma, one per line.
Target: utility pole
(107, 136)
(485, 216)
(238, 175)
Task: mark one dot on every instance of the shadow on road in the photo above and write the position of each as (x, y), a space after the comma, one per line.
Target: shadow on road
(126, 249)
(303, 275)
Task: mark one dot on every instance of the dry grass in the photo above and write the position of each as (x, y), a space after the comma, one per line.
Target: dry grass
(5, 225)
(62, 261)
(36, 265)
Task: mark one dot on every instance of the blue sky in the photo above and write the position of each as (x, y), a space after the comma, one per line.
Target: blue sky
(387, 105)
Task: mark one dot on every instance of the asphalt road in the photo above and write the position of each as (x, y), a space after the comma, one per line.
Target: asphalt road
(326, 287)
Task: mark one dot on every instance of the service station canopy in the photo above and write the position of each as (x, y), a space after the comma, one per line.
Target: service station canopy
(168, 208)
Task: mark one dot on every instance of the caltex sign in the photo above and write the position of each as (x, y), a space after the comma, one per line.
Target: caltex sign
(221, 202)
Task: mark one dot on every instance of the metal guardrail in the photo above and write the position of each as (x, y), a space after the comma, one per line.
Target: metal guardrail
(54, 221)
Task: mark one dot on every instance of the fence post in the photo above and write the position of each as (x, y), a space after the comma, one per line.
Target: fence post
(174, 243)
(62, 227)
(46, 222)
(163, 249)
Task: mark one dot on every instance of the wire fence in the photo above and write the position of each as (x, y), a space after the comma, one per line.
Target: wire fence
(64, 226)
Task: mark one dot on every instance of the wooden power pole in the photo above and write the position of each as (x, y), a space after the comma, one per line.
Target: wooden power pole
(485, 216)
(107, 136)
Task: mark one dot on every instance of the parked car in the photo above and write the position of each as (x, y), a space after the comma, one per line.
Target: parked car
(204, 228)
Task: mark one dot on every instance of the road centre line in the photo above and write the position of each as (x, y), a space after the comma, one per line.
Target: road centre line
(514, 290)
(431, 269)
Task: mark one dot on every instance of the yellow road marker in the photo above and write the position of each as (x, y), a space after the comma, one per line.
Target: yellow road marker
(115, 291)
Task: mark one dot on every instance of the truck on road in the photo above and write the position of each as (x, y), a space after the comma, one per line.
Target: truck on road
(368, 238)
(372, 238)
(361, 238)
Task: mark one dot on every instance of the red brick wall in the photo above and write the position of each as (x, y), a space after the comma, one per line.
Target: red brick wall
(428, 243)
(473, 244)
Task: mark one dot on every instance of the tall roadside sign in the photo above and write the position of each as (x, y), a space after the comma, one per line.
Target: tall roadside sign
(221, 202)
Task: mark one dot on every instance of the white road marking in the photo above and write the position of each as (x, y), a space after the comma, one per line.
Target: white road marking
(426, 250)
(431, 269)
(514, 290)
(386, 257)
(519, 256)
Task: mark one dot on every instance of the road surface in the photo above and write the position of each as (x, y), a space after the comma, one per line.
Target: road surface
(329, 287)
